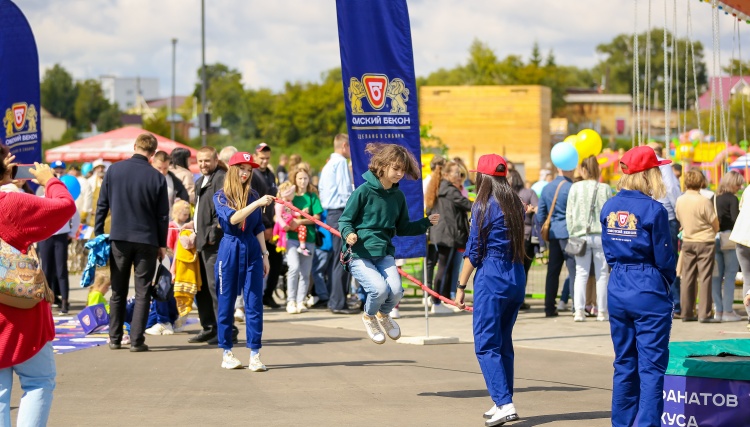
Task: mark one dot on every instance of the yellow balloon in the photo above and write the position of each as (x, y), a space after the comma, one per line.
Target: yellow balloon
(571, 139)
(588, 143)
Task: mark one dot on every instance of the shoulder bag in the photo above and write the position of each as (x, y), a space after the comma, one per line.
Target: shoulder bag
(576, 245)
(724, 243)
(545, 227)
(22, 281)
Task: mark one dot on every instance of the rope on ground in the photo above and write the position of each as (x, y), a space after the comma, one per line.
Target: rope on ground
(400, 271)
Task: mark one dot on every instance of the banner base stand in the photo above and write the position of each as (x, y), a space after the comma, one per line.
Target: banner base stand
(431, 340)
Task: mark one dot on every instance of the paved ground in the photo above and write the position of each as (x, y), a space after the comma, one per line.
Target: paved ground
(324, 371)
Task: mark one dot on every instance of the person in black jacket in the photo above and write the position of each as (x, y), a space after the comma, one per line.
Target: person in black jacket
(444, 197)
(136, 194)
(175, 188)
(264, 182)
(208, 234)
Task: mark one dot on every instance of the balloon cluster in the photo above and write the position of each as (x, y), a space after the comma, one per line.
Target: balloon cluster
(568, 154)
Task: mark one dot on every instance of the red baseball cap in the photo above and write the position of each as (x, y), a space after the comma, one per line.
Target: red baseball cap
(243, 158)
(639, 159)
(488, 165)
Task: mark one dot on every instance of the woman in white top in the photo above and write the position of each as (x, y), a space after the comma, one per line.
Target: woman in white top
(741, 236)
(585, 202)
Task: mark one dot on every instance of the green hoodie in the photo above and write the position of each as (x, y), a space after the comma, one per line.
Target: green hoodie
(376, 215)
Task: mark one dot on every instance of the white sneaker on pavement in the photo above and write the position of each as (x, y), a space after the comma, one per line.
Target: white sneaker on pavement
(731, 316)
(440, 309)
(291, 307)
(718, 315)
(502, 415)
(395, 314)
(562, 306)
(372, 326)
(256, 365)
(160, 329)
(491, 412)
(301, 307)
(580, 316)
(229, 361)
(312, 300)
(390, 326)
(180, 323)
(239, 315)
(603, 316)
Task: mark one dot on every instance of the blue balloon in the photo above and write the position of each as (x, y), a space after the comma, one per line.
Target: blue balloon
(86, 168)
(74, 187)
(564, 156)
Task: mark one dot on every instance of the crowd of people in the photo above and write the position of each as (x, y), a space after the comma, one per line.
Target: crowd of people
(232, 234)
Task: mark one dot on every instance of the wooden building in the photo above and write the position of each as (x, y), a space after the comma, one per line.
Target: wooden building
(509, 120)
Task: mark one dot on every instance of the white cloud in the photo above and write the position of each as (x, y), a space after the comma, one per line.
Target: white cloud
(271, 42)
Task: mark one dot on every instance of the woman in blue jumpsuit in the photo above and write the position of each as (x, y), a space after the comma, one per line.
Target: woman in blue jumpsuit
(242, 260)
(496, 249)
(638, 247)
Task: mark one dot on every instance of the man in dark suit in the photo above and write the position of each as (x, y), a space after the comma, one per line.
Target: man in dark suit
(136, 195)
(208, 235)
(264, 182)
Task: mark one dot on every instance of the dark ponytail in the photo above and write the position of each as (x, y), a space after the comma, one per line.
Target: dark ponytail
(511, 206)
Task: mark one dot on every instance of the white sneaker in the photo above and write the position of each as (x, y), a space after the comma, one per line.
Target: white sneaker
(440, 309)
(391, 328)
(126, 339)
(502, 415)
(239, 315)
(580, 316)
(160, 329)
(180, 323)
(229, 361)
(395, 314)
(603, 316)
(312, 300)
(731, 316)
(561, 306)
(372, 326)
(491, 412)
(256, 365)
(291, 307)
(429, 301)
(301, 307)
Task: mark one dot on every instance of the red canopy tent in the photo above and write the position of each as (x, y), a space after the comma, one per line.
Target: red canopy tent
(111, 146)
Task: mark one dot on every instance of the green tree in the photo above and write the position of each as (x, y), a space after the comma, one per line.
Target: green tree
(58, 93)
(736, 66)
(89, 103)
(617, 66)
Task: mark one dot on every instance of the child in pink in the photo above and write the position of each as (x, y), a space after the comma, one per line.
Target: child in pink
(285, 217)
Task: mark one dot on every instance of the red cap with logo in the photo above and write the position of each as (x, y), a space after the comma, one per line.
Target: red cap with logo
(639, 159)
(488, 165)
(243, 158)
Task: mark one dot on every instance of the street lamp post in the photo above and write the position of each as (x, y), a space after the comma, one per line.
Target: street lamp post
(204, 118)
(171, 100)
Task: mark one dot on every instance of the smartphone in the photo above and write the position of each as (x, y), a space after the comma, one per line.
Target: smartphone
(21, 172)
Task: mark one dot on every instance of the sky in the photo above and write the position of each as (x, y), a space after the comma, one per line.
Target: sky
(272, 42)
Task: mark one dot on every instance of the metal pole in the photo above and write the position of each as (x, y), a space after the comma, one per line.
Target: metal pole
(171, 101)
(204, 125)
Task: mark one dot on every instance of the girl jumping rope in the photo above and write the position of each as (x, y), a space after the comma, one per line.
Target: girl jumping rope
(496, 248)
(242, 260)
(376, 212)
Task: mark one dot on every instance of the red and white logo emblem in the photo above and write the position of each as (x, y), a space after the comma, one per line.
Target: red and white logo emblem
(622, 218)
(247, 157)
(375, 86)
(19, 115)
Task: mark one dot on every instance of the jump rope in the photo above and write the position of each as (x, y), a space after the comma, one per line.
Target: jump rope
(346, 256)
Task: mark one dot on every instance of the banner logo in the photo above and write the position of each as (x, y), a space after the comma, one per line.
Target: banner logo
(20, 118)
(375, 86)
(378, 89)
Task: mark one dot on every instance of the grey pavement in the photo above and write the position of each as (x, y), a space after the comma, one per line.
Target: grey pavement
(325, 371)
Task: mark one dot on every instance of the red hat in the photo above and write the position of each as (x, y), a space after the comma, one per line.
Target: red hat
(488, 165)
(639, 159)
(243, 158)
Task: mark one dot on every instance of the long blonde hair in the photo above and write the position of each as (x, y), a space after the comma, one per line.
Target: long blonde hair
(648, 182)
(438, 174)
(235, 191)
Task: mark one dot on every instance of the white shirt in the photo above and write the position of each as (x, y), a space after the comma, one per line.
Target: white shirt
(197, 200)
(741, 231)
(335, 185)
(673, 189)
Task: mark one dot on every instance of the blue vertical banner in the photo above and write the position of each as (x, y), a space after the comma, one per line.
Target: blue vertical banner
(380, 93)
(19, 86)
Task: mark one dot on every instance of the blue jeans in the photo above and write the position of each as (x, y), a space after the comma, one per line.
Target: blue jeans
(458, 263)
(37, 377)
(380, 279)
(674, 230)
(320, 267)
(726, 267)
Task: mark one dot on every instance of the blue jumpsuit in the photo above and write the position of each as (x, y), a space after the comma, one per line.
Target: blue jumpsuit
(638, 247)
(499, 287)
(239, 265)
